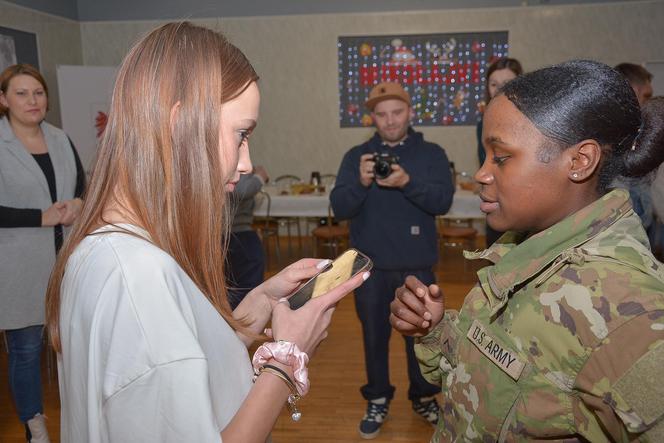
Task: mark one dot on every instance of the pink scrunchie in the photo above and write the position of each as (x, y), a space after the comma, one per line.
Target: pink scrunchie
(288, 354)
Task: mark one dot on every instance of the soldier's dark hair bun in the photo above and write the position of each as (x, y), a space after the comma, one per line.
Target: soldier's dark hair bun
(647, 149)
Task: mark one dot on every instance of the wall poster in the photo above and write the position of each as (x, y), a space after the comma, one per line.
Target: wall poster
(443, 73)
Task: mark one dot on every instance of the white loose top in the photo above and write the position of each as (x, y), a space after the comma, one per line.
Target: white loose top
(145, 356)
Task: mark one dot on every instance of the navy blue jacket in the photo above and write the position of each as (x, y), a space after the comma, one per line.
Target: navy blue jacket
(396, 227)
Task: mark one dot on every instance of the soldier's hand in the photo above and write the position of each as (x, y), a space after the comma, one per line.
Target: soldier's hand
(397, 179)
(366, 169)
(416, 307)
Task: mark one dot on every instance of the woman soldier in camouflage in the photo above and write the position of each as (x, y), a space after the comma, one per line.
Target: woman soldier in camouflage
(562, 338)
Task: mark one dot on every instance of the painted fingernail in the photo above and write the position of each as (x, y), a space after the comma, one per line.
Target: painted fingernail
(365, 276)
(427, 316)
(323, 263)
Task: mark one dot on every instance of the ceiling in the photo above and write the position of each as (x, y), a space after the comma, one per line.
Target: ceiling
(98, 10)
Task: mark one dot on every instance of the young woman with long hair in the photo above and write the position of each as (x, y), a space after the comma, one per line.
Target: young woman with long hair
(137, 307)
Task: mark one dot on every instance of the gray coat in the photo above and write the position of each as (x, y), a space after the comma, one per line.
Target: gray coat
(27, 255)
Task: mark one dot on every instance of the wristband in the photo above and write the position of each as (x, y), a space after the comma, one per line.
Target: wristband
(293, 397)
(287, 354)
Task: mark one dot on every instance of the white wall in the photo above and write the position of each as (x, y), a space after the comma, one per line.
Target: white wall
(296, 57)
(58, 40)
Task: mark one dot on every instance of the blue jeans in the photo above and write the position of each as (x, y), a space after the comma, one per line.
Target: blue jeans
(25, 347)
(372, 302)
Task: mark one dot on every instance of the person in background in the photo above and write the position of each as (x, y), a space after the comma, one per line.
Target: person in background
(562, 338)
(639, 78)
(245, 260)
(657, 194)
(499, 72)
(148, 347)
(391, 188)
(640, 188)
(41, 182)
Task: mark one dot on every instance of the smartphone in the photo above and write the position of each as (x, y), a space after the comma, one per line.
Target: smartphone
(350, 263)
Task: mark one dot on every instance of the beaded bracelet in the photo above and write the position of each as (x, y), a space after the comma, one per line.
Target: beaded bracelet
(287, 354)
(293, 397)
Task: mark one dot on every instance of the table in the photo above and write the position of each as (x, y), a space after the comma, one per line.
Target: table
(466, 204)
(303, 205)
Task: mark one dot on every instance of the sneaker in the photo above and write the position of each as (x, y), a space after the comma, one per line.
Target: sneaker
(35, 429)
(374, 418)
(428, 409)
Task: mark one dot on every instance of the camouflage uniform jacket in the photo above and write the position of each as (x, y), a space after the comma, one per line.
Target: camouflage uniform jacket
(562, 339)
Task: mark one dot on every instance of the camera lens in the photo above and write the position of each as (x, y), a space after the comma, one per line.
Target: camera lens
(382, 169)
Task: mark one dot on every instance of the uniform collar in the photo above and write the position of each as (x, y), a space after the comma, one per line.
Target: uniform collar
(518, 259)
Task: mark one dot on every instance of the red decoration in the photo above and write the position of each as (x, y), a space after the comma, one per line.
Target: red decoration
(100, 122)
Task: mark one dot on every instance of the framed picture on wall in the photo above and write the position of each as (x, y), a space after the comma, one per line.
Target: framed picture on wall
(18, 47)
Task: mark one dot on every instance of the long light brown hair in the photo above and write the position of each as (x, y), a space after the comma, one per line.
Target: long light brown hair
(166, 174)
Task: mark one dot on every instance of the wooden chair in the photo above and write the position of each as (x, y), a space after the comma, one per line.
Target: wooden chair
(288, 178)
(331, 235)
(455, 232)
(267, 227)
(328, 180)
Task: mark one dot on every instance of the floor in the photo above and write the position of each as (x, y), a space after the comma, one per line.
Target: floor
(333, 408)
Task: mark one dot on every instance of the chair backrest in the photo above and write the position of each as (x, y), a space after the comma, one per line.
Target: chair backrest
(264, 196)
(328, 179)
(288, 178)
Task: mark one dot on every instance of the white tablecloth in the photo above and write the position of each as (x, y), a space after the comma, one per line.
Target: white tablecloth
(465, 205)
(304, 205)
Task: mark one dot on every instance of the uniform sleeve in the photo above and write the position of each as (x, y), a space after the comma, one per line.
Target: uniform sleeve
(437, 351)
(169, 403)
(623, 376)
(433, 192)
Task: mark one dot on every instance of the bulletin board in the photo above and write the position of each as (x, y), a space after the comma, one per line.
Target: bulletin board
(443, 73)
(18, 47)
(85, 97)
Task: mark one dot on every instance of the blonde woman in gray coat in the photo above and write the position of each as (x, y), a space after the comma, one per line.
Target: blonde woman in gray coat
(41, 180)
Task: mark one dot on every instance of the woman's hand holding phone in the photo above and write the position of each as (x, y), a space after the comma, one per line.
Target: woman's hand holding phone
(416, 307)
(307, 326)
(290, 278)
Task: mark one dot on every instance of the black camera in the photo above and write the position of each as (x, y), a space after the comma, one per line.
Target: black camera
(383, 164)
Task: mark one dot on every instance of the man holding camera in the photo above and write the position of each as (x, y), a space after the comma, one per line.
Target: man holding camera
(391, 188)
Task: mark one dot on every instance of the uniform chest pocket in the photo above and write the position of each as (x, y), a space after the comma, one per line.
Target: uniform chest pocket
(483, 388)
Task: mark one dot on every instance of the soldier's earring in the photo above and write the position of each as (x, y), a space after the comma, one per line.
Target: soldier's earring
(575, 175)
